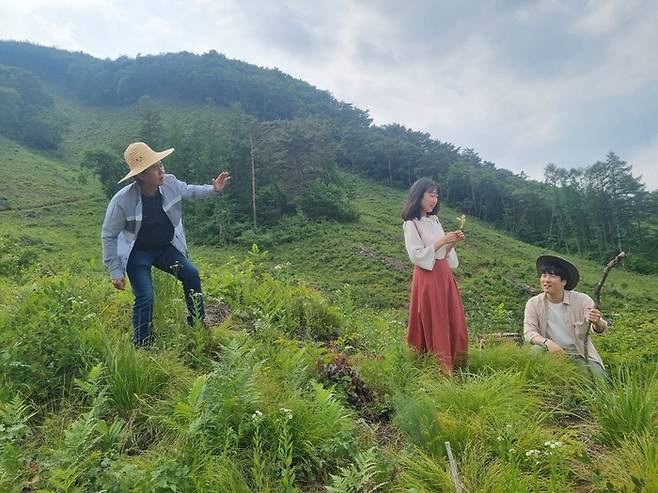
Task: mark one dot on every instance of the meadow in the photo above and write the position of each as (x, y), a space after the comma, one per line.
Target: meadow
(305, 381)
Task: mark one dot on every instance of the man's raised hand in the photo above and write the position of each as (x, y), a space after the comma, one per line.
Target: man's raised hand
(220, 182)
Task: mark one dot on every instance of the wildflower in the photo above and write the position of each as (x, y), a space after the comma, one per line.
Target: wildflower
(532, 453)
(553, 444)
(256, 415)
(287, 412)
(499, 438)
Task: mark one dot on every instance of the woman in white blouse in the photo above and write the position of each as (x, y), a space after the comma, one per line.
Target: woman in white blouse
(436, 311)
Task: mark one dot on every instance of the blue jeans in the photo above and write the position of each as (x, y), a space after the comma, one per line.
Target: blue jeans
(167, 259)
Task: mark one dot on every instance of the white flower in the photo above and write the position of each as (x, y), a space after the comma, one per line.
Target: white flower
(499, 438)
(287, 412)
(553, 444)
(257, 415)
(532, 453)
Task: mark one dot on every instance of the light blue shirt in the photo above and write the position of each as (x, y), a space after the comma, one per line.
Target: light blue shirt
(123, 219)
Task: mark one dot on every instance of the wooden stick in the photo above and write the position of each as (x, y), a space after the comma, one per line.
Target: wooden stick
(597, 299)
(523, 286)
(613, 263)
(453, 469)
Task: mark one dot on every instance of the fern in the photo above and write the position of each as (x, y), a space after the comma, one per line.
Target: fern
(14, 416)
(95, 387)
(360, 477)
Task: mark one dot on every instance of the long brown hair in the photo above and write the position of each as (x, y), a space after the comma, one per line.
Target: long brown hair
(411, 209)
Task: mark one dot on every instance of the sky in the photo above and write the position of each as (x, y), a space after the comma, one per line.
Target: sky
(524, 83)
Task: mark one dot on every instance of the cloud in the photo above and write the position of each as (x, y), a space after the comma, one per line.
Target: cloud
(525, 83)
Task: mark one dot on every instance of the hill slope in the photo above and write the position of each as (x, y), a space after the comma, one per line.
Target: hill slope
(301, 131)
(302, 377)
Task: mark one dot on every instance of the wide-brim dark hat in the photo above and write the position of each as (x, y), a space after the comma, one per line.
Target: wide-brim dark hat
(572, 273)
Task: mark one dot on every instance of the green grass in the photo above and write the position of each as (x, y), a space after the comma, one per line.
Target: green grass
(81, 410)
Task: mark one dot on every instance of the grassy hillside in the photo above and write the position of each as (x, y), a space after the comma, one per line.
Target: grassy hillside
(305, 382)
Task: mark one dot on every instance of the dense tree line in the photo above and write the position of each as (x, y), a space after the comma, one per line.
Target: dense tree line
(290, 164)
(296, 138)
(27, 113)
(268, 94)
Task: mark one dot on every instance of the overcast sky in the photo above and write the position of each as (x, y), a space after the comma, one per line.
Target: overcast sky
(523, 83)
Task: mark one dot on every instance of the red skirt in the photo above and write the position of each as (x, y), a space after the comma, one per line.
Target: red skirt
(436, 315)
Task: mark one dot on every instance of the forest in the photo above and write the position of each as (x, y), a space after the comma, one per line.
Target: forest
(267, 127)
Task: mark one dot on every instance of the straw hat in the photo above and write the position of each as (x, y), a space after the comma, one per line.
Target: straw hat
(140, 156)
(572, 272)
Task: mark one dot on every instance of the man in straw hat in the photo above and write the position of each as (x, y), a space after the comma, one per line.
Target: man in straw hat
(558, 319)
(143, 228)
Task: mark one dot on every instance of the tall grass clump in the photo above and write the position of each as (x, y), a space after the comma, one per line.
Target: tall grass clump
(631, 466)
(626, 406)
(132, 376)
(432, 412)
(422, 473)
(554, 377)
(496, 412)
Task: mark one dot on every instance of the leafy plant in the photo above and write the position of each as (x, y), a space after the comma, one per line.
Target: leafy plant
(360, 477)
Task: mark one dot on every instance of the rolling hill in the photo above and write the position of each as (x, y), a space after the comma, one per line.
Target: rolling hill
(305, 382)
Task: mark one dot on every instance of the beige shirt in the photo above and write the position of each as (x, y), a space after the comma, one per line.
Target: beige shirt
(573, 307)
(419, 237)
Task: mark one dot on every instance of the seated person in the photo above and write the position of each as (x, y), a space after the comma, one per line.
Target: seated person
(558, 319)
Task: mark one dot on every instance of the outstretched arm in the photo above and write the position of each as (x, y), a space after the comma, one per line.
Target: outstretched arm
(199, 191)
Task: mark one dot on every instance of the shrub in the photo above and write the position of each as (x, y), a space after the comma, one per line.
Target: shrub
(43, 344)
(258, 297)
(326, 200)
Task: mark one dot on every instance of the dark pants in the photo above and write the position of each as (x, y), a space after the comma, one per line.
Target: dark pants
(167, 259)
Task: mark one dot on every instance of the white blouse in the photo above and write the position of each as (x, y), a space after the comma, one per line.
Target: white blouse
(420, 247)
